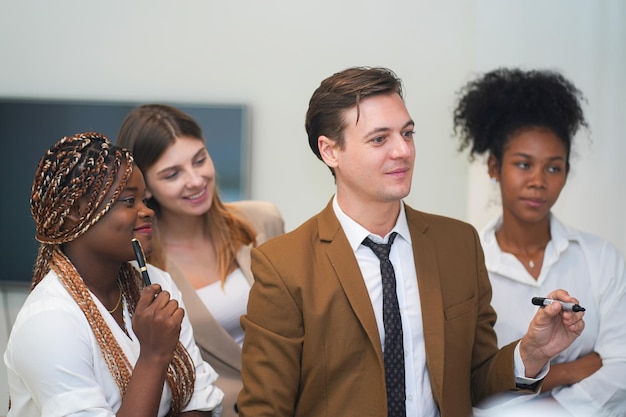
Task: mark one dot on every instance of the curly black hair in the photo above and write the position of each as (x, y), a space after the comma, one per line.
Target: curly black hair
(499, 103)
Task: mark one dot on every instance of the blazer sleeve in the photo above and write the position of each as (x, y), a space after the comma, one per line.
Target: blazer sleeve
(274, 329)
(492, 369)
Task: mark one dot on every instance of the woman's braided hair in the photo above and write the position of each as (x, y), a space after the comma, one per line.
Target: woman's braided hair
(84, 167)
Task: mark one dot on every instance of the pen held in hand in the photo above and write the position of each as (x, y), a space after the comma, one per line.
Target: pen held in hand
(141, 260)
(541, 301)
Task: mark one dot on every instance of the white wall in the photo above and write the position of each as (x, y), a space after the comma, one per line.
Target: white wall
(271, 55)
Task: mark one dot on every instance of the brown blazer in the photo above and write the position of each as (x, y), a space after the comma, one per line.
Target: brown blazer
(312, 346)
(218, 348)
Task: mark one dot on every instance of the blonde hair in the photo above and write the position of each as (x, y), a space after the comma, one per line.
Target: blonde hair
(79, 167)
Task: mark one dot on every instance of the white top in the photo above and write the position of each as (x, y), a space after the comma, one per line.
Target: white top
(228, 303)
(55, 366)
(593, 271)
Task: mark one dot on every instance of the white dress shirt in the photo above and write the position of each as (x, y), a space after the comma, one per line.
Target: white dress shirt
(419, 396)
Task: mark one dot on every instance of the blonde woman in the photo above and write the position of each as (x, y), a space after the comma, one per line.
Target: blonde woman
(202, 242)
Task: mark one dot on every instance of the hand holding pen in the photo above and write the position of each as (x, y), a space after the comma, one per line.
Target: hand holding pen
(541, 301)
(551, 330)
(141, 260)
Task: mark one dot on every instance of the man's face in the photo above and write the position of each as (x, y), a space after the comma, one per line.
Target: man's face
(376, 162)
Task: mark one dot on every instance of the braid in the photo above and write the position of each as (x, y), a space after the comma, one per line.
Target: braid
(114, 356)
(75, 167)
(181, 375)
(79, 168)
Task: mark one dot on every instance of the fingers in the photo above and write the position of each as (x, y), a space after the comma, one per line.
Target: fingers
(574, 321)
(553, 312)
(147, 296)
(157, 322)
(158, 303)
(563, 296)
(555, 308)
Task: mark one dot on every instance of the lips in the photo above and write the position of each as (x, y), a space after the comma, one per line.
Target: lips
(145, 228)
(534, 202)
(398, 172)
(197, 197)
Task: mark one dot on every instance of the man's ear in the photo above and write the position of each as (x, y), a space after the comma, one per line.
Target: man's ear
(328, 148)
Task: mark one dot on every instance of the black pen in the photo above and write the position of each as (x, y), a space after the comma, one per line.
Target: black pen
(540, 301)
(141, 260)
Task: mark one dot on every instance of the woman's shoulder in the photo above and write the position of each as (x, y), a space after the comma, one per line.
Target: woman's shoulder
(264, 216)
(49, 294)
(591, 243)
(250, 208)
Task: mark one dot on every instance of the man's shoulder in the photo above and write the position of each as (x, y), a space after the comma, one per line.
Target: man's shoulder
(431, 221)
(306, 232)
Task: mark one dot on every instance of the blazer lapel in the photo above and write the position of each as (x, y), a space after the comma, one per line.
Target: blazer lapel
(343, 261)
(428, 281)
(243, 260)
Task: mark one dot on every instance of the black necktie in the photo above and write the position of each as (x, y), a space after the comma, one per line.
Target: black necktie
(394, 345)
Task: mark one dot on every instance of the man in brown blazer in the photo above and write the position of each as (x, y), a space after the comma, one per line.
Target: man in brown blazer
(318, 336)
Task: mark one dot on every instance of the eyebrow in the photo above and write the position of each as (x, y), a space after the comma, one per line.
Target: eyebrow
(387, 129)
(130, 189)
(552, 158)
(173, 167)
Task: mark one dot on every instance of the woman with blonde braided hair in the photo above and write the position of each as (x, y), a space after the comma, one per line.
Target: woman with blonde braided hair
(91, 338)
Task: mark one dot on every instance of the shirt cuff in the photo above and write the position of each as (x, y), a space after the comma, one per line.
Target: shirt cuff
(520, 371)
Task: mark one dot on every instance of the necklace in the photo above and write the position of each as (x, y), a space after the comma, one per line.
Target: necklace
(522, 255)
(119, 300)
(526, 259)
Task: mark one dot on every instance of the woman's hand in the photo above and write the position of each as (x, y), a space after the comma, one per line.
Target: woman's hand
(569, 373)
(157, 323)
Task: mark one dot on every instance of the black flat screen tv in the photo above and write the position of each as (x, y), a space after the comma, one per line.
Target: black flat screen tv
(29, 127)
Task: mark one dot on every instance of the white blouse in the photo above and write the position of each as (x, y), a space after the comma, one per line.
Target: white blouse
(55, 366)
(228, 303)
(590, 269)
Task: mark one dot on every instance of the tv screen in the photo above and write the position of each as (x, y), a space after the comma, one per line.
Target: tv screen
(29, 127)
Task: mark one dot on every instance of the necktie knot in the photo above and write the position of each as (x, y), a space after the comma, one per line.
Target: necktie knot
(381, 250)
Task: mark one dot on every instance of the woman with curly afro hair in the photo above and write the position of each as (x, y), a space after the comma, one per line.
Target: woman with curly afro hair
(524, 123)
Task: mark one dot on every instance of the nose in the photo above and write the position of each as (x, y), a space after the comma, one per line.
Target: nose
(538, 178)
(144, 210)
(194, 179)
(402, 146)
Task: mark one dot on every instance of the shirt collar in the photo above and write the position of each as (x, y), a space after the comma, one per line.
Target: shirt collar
(357, 233)
(561, 236)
